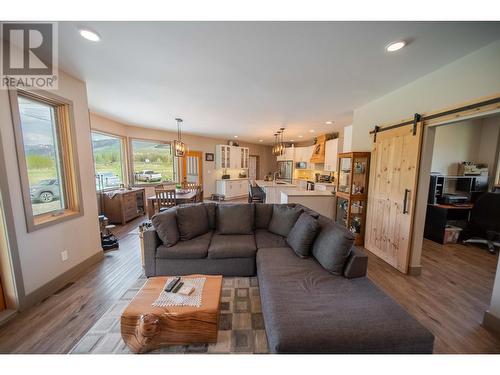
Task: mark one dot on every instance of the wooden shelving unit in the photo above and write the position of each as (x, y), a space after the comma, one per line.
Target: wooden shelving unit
(351, 196)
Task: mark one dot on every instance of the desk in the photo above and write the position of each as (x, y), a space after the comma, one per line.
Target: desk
(123, 205)
(179, 197)
(438, 216)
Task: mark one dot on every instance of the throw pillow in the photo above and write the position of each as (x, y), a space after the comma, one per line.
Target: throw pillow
(211, 212)
(192, 221)
(165, 224)
(235, 218)
(283, 219)
(302, 235)
(263, 214)
(332, 247)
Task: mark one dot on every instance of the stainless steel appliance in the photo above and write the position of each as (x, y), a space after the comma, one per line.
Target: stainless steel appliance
(301, 165)
(285, 169)
(310, 185)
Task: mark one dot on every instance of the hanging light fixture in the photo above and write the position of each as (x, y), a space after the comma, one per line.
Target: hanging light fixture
(275, 147)
(282, 142)
(179, 146)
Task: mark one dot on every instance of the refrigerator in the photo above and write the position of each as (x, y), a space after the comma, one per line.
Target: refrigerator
(286, 170)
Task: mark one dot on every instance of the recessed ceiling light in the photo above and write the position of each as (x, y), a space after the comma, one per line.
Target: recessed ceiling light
(300, 136)
(395, 46)
(311, 131)
(235, 136)
(292, 140)
(90, 35)
(261, 140)
(329, 122)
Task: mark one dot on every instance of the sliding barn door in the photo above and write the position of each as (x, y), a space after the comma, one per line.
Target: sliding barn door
(392, 193)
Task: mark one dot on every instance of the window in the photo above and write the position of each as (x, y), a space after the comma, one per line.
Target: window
(46, 156)
(152, 162)
(108, 160)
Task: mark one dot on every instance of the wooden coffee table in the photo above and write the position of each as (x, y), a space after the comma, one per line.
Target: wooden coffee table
(145, 328)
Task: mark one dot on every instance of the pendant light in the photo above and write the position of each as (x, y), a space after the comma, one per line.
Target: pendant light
(179, 146)
(282, 143)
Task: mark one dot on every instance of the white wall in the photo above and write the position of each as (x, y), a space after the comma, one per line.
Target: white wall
(40, 251)
(194, 142)
(468, 78)
(488, 151)
(455, 143)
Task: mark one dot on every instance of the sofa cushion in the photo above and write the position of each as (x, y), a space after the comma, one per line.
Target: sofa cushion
(308, 310)
(283, 219)
(165, 224)
(192, 220)
(194, 248)
(232, 246)
(302, 235)
(264, 238)
(332, 246)
(263, 214)
(211, 213)
(235, 218)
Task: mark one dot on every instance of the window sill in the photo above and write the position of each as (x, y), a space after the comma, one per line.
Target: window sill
(52, 218)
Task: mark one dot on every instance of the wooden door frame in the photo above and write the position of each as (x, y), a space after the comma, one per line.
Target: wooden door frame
(472, 109)
(199, 155)
(257, 166)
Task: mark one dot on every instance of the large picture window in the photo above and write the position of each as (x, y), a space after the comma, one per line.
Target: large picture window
(152, 162)
(47, 157)
(108, 160)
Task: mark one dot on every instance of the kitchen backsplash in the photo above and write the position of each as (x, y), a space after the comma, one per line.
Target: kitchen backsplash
(234, 173)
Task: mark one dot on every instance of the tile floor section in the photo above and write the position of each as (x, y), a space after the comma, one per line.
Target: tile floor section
(241, 326)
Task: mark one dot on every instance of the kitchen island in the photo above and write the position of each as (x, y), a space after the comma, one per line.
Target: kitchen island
(322, 202)
(273, 189)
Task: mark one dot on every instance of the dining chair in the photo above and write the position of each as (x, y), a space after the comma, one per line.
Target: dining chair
(196, 188)
(165, 198)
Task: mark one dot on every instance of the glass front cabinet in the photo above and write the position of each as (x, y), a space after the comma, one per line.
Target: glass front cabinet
(351, 195)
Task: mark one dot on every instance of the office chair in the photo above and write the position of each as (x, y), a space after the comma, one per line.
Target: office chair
(484, 225)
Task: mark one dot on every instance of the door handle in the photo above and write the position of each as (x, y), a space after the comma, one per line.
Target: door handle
(405, 201)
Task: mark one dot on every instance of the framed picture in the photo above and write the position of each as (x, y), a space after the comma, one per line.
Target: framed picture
(209, 156)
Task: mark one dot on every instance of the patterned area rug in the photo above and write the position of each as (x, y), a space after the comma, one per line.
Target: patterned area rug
(241, 327)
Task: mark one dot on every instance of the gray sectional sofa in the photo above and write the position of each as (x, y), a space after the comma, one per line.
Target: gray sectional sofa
(315, 296)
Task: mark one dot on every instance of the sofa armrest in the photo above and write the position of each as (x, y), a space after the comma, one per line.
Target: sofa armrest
(151, 243)
(356, 264)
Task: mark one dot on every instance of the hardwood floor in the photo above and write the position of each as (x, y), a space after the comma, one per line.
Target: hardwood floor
(449, 298)
(56, 324)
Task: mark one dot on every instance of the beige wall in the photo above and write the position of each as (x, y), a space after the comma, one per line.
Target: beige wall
(468, 78)
(40, 251)
(194, 143)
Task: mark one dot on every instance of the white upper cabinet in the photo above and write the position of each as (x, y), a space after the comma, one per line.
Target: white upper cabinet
(331, 151)
(288, 154)
(231, 157)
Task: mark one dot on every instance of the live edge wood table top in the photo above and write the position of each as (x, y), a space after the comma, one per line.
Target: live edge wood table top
(145, 328)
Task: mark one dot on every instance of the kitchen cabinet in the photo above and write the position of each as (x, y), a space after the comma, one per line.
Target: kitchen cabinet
(303, 154)
(301, 184)
(231, 157)
(324, 186)
(232, 188)
(288, 154)
(331, 151)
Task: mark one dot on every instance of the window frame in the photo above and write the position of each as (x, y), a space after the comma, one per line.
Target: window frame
(124, 158)
(70, 174)
(131, 162)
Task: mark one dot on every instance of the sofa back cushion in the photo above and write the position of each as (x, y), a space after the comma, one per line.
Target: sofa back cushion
(332, 246)
(165, 224)
(212, 214)
(303, 234)
(192, 220)
(263, 214)
(235, 218)
(283, 219)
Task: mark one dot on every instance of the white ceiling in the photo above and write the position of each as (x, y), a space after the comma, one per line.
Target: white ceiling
(250, 78)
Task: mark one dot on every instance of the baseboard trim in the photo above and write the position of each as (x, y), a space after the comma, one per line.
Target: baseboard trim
(414, 270)
(491, 322)
(54, 285)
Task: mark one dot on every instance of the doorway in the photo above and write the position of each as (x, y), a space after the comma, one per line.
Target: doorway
(253, 167)
(192, 168)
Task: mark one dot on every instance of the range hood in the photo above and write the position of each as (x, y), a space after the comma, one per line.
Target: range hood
(318, 155)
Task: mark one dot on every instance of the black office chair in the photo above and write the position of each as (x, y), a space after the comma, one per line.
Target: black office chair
(484, 225)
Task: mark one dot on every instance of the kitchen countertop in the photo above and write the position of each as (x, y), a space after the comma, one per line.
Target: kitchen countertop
(325, 183)
(232, 179)
(262, 183)
(308, 193)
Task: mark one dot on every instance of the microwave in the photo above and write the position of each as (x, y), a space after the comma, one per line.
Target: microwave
(301, 165)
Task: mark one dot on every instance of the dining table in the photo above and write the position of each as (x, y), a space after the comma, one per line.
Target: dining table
(180, 197)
